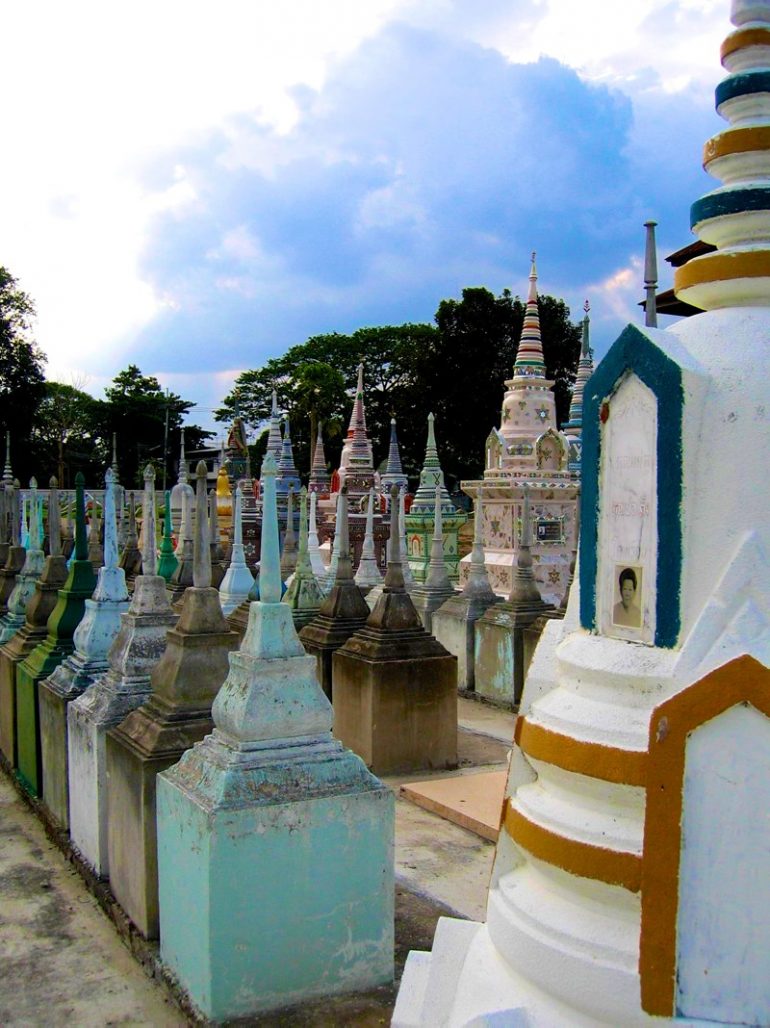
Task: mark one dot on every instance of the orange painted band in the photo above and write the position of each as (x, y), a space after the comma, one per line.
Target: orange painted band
(578, 858)
(719, 267)
(742, 680)
(610, 763)
(744, 37)
(739, 140)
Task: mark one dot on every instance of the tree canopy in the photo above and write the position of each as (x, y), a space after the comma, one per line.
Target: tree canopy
(22, 380)
(135, 410)
(455, 368)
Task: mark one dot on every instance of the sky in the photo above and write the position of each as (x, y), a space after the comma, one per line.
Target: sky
(193, 188)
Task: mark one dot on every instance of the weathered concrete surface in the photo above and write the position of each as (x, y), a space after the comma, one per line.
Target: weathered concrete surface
(441, 870)
(62, 962)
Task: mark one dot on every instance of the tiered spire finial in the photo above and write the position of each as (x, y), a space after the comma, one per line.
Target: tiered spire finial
(274, 440)
(529, 356)
(430, 477)
(320, 478)
(182, 478)
(394, 471)
(735, 217)
(7, 472)
(585, 369)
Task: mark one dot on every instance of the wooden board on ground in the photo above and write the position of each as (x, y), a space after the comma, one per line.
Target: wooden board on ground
(473, 801)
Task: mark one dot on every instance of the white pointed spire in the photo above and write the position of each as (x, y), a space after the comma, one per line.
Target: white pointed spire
(368, 574)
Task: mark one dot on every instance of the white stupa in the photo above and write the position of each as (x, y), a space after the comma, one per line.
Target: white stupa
(630, 880)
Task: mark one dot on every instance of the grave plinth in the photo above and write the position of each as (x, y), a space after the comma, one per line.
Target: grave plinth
(343, 612)
(56, 647)
(29, 636)
(155, 735)
(275, 855)
(454, 623)
(92, 640)
(136, 650)
(395, 687)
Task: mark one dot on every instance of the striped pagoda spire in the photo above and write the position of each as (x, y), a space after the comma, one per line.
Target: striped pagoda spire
(529, 356)
(274, 440)
(735, 217)
(585, 369)
(320, 479)
(394, 471)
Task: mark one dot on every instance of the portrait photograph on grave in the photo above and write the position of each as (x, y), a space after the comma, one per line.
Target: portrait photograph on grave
(627, 610)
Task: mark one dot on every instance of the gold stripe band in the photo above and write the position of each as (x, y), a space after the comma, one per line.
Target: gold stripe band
(742, 38)
(717, 267)
(610, 763)
(578, 858)
(739, 140)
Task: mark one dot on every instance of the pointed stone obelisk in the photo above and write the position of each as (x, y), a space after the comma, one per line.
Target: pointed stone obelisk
(33, 631)
(499, 661)
(320, 479)
(330, 574)
(176, 716)
(126, 685)
(92, 640)
(68, 535)
(453, 624)
(368, 573)
(215, 542)
(313, 547)
(397, 514)
(187, 503)
(573, 429)
(182, 577)
(436, 588)
(17, 554)
(238, 579)
(254, 811)
(167, 562)
(131, 558)
(178, 490)
(289, 554)
(342, 612)
(32, 569)
(56, 647)
(304, 594)
(95, 544)
(395, 687)
(420, 519)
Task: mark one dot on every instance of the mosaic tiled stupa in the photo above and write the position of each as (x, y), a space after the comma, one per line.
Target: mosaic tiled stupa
(419, 522)
(528, 450)
(630, 882)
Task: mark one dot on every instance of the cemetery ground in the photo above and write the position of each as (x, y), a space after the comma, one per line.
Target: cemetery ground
(64, 963)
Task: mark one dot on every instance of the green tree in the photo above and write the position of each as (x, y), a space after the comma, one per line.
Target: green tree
(135, 410)
(21, 373)
(319, 376)
(66, 436)
(456, 369)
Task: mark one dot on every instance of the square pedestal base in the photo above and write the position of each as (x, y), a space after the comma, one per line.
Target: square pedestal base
(397, 715)
(274, 903)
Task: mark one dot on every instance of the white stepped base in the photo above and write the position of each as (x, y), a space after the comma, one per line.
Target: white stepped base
(466, 983)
